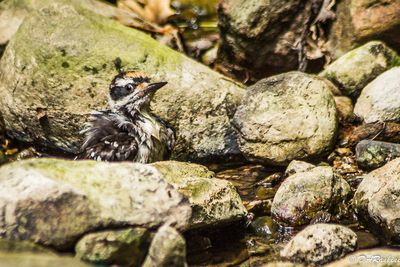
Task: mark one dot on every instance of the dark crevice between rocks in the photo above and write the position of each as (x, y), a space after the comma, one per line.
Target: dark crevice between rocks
(2, 48)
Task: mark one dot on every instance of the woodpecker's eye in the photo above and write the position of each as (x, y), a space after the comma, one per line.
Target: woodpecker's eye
(130, 87)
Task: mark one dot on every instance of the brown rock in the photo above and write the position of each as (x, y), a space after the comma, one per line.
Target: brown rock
(359, 21)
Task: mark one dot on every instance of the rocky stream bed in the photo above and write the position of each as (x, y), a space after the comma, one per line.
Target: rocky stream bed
(287, 150)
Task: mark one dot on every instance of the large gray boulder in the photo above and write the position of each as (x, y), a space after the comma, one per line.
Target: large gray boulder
(380, 100)
(303, 195)
(54, 202)
(354, 70)
(320, 243)
(286, 117)
(57, 68)
(376, 201)
(42, 195)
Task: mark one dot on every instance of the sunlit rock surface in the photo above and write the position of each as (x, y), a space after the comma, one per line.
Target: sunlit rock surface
(297, 166)
(380, 99)
(354, 70)
(302, 195)
(53, 202)
(377, 202)
(286, 117)
(213, 201)
(320, 243)
(57, 68)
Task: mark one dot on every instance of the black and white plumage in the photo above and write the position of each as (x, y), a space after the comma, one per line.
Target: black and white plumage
(128, 131)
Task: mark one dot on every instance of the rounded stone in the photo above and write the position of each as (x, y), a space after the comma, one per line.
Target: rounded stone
(380, 100)
(354, 70)
(286, 117)
(320, 243)
(303, 195)
(377, 202)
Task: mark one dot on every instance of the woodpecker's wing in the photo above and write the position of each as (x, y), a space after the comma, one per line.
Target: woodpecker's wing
(105, 141)
(171, 141)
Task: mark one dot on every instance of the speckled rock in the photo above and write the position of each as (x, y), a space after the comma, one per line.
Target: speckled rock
(359, 21)
(377, 257)
(286, 117)
(380, 100)
(302, 195)
(42, 195)
(213, 201)
(297, 166)
(49, 85)
(374, 154)
(257, 36)
(377, 203)
(168, 248)
(320, 243)
(354, 70)
(126, 247)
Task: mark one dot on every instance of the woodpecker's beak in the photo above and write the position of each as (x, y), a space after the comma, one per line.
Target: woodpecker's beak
(151, 88)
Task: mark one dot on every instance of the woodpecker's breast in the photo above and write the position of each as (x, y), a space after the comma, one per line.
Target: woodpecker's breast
(152, 139)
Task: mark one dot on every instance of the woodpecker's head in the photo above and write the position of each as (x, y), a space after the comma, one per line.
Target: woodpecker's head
(132, 90)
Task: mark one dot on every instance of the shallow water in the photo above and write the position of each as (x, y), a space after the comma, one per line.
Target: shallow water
(239, 243)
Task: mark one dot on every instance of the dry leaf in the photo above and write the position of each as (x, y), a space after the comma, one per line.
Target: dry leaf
(40, 113)
(157, 11)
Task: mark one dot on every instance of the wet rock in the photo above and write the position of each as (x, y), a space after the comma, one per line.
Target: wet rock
(320, 243)
(125, 247)
(168, 248)
(374, 154)
(286, 117)
(38, 260)
(262, 226)
(344, 106)
(213, 201)
(302, 195)
(376, 201)
(358, 21)
(377, 257)
(380, 100)
(257, 37)
(42, 195)
(297, 166)
(66, 75)
(354, 70)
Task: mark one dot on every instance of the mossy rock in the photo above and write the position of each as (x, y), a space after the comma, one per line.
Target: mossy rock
(213, 201)
(57, 67)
